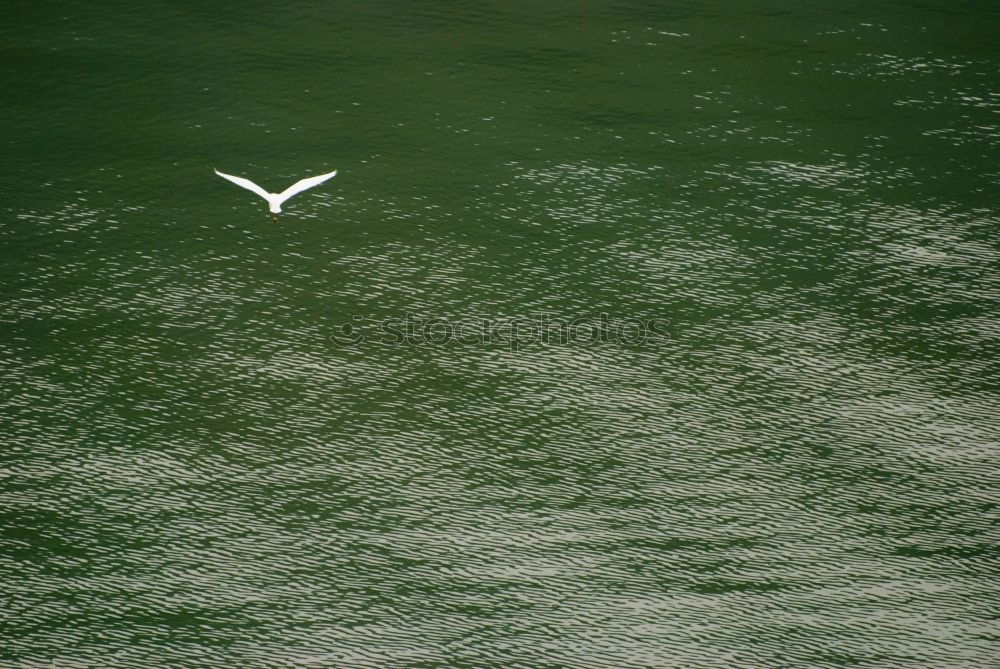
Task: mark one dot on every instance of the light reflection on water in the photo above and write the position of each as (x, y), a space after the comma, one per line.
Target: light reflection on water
(194, 473)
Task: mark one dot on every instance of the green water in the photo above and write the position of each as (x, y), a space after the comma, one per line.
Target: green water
(700, 308)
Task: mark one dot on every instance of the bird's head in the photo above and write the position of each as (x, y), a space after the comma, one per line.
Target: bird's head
(274, 207)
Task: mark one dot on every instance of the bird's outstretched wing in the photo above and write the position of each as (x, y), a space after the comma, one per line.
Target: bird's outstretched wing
(246, 183)
(300, 186)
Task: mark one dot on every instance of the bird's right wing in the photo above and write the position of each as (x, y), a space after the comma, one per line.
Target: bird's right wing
(300, 186)
(246, 183)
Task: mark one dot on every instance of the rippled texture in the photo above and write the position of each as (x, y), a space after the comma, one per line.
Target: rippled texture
(197, 470)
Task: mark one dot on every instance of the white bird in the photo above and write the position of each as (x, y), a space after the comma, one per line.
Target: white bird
(274, 200)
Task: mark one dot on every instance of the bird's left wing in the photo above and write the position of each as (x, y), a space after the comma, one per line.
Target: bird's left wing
(300, 186)
(246, 183)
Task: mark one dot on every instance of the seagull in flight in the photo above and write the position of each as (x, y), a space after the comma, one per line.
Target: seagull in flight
(274, 200)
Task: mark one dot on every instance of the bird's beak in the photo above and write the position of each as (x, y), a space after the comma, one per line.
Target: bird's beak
(275, 217)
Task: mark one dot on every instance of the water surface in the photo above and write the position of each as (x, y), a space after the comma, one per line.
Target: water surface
(795, 467)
